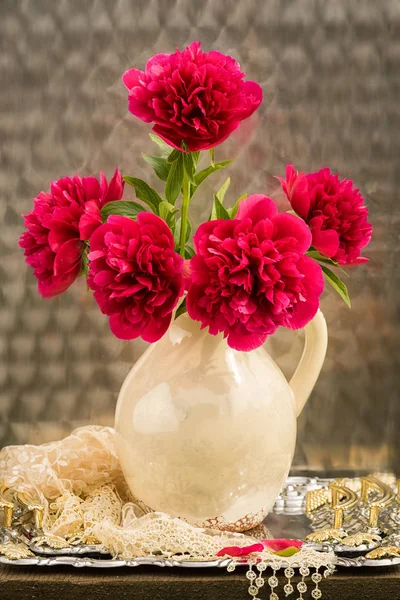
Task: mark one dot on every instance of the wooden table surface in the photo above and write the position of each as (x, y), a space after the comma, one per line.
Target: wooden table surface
(151, 583)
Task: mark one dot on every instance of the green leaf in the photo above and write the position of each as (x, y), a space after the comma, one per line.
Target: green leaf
(177, 231)
(320, 257)
(337, 284)
(85, 260)
(223, 189)
(144, 192)
(287, 551)
(181, 309)
(218, 211)
(212, 155)
(196, 157)
(167, 212)
(189, 165)
(164, 147)
(189, 252)
(174, 155)
(160, 165)
(124, 208)
(202, 175)
(233, 211)
(174, 181)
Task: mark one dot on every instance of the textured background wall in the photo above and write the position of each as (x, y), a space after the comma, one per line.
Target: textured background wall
(331, 80)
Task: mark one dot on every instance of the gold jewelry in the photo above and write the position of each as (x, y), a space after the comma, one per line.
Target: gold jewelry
(384, 552)
(6, 505)
(385, 499)
(14, 551)
(335, 533)
(327, 535)
(30, 504)
(315, 499)
(358, 539)
(340, 492)
(50, 540)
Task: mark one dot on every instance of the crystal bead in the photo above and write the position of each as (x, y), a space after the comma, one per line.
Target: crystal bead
(289, 572)
(316, 594)
(316, 577)
(288, 589)
(262, 566)
(304, 571)
(253, 590)
(259, 582)
(251, 575)
(273, 596)
(302, 587)
(273, 581)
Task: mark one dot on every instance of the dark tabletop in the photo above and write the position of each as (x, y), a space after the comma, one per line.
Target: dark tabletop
(149, 583)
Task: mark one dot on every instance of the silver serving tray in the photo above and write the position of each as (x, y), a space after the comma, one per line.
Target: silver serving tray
(287, 520)
(99, 563)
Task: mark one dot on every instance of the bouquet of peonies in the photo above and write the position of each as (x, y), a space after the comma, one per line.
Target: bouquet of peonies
(250, 269)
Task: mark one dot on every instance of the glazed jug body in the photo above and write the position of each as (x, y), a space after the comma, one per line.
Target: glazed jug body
(206, 433)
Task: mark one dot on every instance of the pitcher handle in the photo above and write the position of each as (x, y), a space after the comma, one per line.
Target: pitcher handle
(312, 359)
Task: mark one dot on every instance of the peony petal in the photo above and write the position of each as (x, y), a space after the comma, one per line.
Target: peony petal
(302, 314)
(254, 91)
(313, 277)
(126, 225)
(169, 136)
(90, 220)
(360, 260)
(115, 188)
(103, 278)
(326, 241)
(313, 282)
(60, 233)
(53, 286)
(241, 339)
(287, 225)
(68, 258)
(256, 208)
(160, 226)
(138, 106)
(124, 329)
(241, 550)
(91, 187)
(281, 544)
(296, 189)
(175, 138)
(132, 77)
(156, 328)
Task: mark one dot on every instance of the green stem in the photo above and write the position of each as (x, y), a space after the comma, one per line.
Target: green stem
(185, 212)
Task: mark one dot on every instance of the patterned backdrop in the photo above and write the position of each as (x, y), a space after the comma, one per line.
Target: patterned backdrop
(331, 80)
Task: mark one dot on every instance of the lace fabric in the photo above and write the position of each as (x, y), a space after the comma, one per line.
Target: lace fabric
(80, 483)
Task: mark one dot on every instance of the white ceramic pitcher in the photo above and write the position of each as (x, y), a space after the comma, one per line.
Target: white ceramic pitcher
(207, 433)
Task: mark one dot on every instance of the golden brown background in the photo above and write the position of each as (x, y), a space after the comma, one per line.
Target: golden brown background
(331, 79)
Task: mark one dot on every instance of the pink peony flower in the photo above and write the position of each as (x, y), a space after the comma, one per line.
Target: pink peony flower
(334, 211)
(192, 96)
(136, 275)
(250, 275)
(58, 225)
